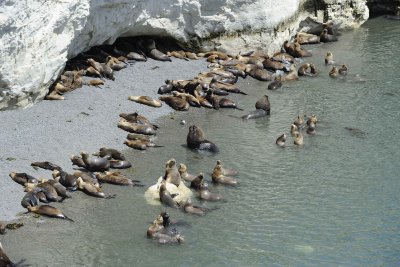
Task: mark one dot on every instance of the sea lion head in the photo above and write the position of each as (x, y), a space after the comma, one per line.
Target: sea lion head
(182, 168)
(170, 163)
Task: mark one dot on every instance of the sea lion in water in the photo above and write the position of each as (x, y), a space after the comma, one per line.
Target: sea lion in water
(343, 70)
(329, 59)
(299, 121)
(49, 211)
(146, 100)
(4, 259)
(326, 37)
(218, 177)
(188, 207)
(136, 127)
(184, 174)
(334, 73)
(311, 129)
(196, 140)
(90, 188)
(276, 84)
(298, 138)
(172, 174)
(45, 165)
(304, 70)
(23, 178)
(95, 164)
(205, 194)
(263, 108)
(158, 231)
(280, 141)
(226, 171)
(313, 70)
(299, 52)
(166, 198)
(312, 119)
(293, 129)
(155, 227)
(196, 182)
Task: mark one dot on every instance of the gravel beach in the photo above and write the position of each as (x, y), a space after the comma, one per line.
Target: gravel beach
(85, 121)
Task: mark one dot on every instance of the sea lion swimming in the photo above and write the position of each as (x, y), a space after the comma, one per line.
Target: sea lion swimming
(188, 207)
(263, 108)
(334, 73)
(298, 138)
(219, 177)
(136, 127)
(226, 171)
(184, 174)
(343, 70)
(205, 194)
(146, 100)
(304, 70)
(196, 140)
(95, 164)
(280, 141)
(49, 211)
(276, 84)
(23, 178)
(311, 129)
(196, 182)
(329, 59)
(299, 121)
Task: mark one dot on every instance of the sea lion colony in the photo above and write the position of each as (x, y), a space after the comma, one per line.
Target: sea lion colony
(207, 89)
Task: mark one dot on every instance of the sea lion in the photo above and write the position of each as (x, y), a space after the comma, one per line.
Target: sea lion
(280, 141)
(145, 100)
(276, 84)
(299, 52)
(192, 100)
(227, 87)
(60, 189)
(274, 65)
(110, 153)
(120, 164)
(149, 46)
(307, 38)
(95, 164)
(135, 136)
(23, 178)
(263, 103)
(176, 103)
(136, 127)
(31, 198)
(66, 179)
(140, 144)
(136, 118)
(218, 176)
(188, 207)
(225, 171)
(102, 68)
(258, 73)
(78, 161)
(292, 75)
(155, 227)
(184, 174)
(4, 259)
(136, 56)
(196, 182)
(116, 178)
(343, 70)
(88, 177)
(165, 89)
(298, 138)
(166, 198)
(329, 59)
(90, 188)
(45, 165)
(49, 211)
(115, 63)
(172, 174)
(293, 129)
(177, 54)
(326, 37)
(94, 82)
(48, 189)
(313, 70)
(311, 129)
(299, 121)
(304, 70)
(334, 73)
(196, 140)
(205, 194)
(312, 119)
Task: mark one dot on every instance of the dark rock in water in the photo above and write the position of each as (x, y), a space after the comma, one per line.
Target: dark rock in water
(355, 132)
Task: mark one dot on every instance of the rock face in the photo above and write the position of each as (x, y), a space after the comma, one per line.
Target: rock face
(37, 37)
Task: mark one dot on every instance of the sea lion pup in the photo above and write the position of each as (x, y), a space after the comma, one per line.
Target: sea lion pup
(329, 59)
(4, 259)
(95, 164)
(326, 37)
(136, 127)
(196, 182)
(280, 141)
(172, 174)
(31, 198)
(196, 140)
(184, 174)
(23, 178)
(149, 46)
(343, 70)
(334, 73)
(45, 165)
(176, 103)
(139, 144)
(136, 118)
(226, 171)
(90, 188)
(304, 70)
(292, 75)
(192, 100)
(188, 207)
(219, 178)
(166, 198)
(49, 211)
(312, 119)
(307, 38)
(146, 100)
(117, 178)
(66, 179)
(205, 194)
(298, 138)
(299, 121)
(110, 153)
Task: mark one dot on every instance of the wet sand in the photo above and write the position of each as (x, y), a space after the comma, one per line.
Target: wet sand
(85, 121)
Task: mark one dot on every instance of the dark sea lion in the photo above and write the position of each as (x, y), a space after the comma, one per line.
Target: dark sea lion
(117, 178)
(66, 179)
(165, 89)
(276, 84)
(136, 118)
(45, 165)
(355, 131)
(326, 37)
(298, 138)
(49, 211)
(136, 127)
(184, 174)
(334, 73)
(146, 100)
(311, 129)
(60, 189)
(218, 177)
(4, 259)
(120, 164)
(188, 207)
(90, 188)
(313, 70)
(280, 141)
(196, 182)
(31, 198)
(102, 68)
(196, 140)
(166, 198)
(23, 178)
(205, 194)
(48, 189)
(111, 153)
(176, 103)
(149, 46)
(329, 59)
(263, 103)
(259, 74)
(343, 70)
(304, 70)
(95, 164)
(172, 174)
(78, 161)
(262, 109)
(258, 113)
(236, 71)
(228, 103)
(227, 87)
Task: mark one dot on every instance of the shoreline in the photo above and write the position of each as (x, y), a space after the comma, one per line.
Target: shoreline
(85, 121)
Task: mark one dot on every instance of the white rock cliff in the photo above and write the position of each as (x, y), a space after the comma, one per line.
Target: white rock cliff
(37, 37)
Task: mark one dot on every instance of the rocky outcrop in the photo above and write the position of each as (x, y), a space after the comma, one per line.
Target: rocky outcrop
(38, 37)
(379, 7)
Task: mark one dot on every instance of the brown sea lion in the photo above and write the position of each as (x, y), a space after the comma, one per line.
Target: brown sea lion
(343, 70)
(140, 144)
(273, 65)
(23, 178)
(166, 198)
(292, 75)
(110, 153)
(184, 174)
(60, 189)
(49, 211)
(4, 259)
(313, 119)
(299, 121)
(218, 176)
(298, 138)
(259, 73)
(135, 136)
(334, 73)
(136, 127)
(313, 70)
(329, 59)
(88, 177)
(45, 165)
(116, 178)
(225, 171)
(299, 52)
(196, 140)
(293, 129)
(176, 103)
(263, 103)
(66, 179)
(95, 164)
(136, 56)
(192, 100)
(196, 182)
(304, 70)
(149, 46)
(115, 64)
(48, 189)
(155, 227)
(176, 54)
(280, 141)
(188, 207)
(102, 68)
(90, 188)
(136, 118)
(146, 100)
(307, 38)
(94, 82)
(326, 37)
(262, 109)
(172, 174)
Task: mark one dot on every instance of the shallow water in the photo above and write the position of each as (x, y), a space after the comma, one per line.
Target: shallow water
(332, 202)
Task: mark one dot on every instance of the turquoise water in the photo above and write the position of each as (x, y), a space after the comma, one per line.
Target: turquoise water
(332, 202)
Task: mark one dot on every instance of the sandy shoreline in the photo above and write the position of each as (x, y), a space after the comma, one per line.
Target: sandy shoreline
(85, 121)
